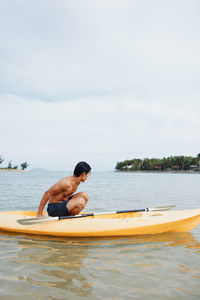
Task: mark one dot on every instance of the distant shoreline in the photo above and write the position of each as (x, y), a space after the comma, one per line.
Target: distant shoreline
(11, 170)
(152, 171)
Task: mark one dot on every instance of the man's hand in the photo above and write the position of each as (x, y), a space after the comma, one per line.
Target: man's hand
(40, 215)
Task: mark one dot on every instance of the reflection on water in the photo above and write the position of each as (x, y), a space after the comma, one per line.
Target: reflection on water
(112, 268)
(145, 267)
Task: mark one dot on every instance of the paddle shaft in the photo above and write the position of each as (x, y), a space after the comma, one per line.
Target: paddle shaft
(103, 213)
(159, 208)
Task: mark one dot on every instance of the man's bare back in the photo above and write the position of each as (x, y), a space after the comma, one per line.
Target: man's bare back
(61, 198)
(63, 189)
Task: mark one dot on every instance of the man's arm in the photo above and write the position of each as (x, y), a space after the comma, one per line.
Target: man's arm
(47, 195)
(55, 189)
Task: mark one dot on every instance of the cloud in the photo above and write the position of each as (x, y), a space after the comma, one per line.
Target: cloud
(56, 50)
(101, 130)
(100, 81)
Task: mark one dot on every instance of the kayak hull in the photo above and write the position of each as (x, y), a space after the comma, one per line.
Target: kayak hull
(140, 223)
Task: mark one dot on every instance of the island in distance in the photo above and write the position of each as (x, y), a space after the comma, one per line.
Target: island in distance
(171, 163)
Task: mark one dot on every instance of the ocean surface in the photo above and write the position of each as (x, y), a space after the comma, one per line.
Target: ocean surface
(147, 267)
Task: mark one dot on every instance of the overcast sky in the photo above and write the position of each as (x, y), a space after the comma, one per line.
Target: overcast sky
(98, 80)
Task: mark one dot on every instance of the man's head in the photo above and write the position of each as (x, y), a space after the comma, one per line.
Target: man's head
(82, 169)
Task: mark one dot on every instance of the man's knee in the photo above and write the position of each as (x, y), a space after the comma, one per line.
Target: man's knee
(84, 196)
(81, 204)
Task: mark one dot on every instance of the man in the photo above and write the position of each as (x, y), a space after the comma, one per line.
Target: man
(61, 197)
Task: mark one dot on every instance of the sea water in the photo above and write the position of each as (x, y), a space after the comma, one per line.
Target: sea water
(164, 266)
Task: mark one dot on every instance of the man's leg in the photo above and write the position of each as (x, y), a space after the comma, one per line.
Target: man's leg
(77, 203)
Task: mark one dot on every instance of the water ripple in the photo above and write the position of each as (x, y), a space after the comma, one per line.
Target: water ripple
(146, 267)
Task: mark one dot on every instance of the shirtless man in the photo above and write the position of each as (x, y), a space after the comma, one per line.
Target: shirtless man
(61, 197)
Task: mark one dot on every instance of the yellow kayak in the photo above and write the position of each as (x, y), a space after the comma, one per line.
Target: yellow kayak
(121, 224)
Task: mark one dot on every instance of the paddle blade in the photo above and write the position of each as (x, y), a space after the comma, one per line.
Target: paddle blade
(33, 221)
(161, 208)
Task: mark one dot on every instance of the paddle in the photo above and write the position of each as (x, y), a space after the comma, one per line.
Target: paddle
(37, 220)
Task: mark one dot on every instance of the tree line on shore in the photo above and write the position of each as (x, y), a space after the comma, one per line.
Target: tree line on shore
(23, 165)
(172, 163)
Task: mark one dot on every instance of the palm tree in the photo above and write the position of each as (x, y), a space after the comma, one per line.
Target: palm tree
(1, 159)
(24, 165)
(10, 165)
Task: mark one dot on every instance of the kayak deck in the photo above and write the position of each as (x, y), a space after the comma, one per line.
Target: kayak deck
(123, 224)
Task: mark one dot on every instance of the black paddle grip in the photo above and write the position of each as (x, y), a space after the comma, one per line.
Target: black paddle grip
(76, 216)
(131, 210)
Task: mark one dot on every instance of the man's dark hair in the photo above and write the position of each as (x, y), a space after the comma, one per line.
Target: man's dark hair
(81, 167)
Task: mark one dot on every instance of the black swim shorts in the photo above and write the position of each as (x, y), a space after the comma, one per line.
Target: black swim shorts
(58, 209)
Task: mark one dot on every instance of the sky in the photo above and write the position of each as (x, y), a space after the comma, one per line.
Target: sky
(98, 81)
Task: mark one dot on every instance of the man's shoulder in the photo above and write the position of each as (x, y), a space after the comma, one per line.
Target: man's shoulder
(66, 180)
